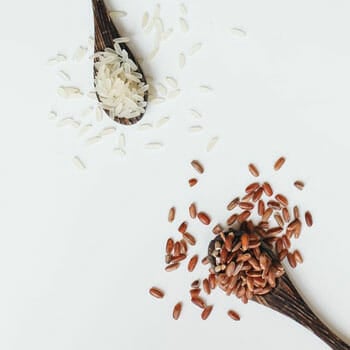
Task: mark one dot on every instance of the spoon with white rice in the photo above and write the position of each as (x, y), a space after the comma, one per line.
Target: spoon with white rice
(120, 84)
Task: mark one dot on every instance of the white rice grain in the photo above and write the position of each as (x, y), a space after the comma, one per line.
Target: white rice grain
(78, 163)
(172, 82)
(57, 59)
(63, 75)
(93, 140)
(80, 53)
(157, 100)
(159, 25)
(212, 143)
(195, 48)
(92, 95)
(156, 12)
(165, 35)
(182, 60)
(174, 93)
(238, 32)
(145, 126)
(108, 131)
(91, 41)
(162, 90)
(145, 20)
(121, 40)
(85, 112)
(153, 53)
(161, 122)
(117, 14)
(205, 88)
(69, 92)
(195, 128)
(153, 145)
(122, 141)
(195, 114)
(68, 122)
(183, 9)
(86, 128)
(52, 115)
(183, 25)
(120, 152)
(99, 114)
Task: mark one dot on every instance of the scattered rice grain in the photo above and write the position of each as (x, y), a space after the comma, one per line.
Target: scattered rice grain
(177, 311)
(174, 93)
(299, 185)
(145, 20)
(195, 128)
(195, 114)
(69, 92)
(78, 163)
(161, 122)
(195, 48)
(156, 292)
(308, 219)
(279, 163)
(153, 145)
(238, 32)
(183, 25)
(117, 14)
(85, 129)
(212, 143)
(122, 141)
(93, 140)
(99, 114)
(205, 88)
(108, 131)
(120, 152)
(63, 75)
(145, 126)
(172, 82)
(182, 60)
(80, 53)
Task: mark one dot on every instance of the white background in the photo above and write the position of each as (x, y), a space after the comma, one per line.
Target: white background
(80, 249)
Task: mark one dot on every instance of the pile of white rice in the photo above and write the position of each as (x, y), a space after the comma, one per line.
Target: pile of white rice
(118, 83)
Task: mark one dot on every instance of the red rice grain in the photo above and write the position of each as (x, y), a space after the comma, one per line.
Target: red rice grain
(183, 227)
(204, 218)
(197, 166)
(267, 189)
(206, 312)
(171, 215)
(169, 246)
(279, 163)
(192, 182)
(199, 302)
(308, 219)
(192, 210)
(253, 170)
(172, 267)
(192, 263)
(177, 311)
(234, 315)
(156, 292)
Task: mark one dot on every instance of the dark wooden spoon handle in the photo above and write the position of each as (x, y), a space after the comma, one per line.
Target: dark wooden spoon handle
(105, 30)
(287, 300)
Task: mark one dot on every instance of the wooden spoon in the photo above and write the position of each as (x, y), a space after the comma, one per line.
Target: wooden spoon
(105, 33)
(285, 299)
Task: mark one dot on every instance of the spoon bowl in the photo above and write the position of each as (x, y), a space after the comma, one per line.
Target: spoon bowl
(105, 34)
(284, 297)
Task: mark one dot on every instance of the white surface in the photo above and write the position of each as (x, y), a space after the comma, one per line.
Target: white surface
(79, 249)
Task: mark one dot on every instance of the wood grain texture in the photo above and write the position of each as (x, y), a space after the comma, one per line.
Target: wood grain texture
(285, 299)
(105, 33)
